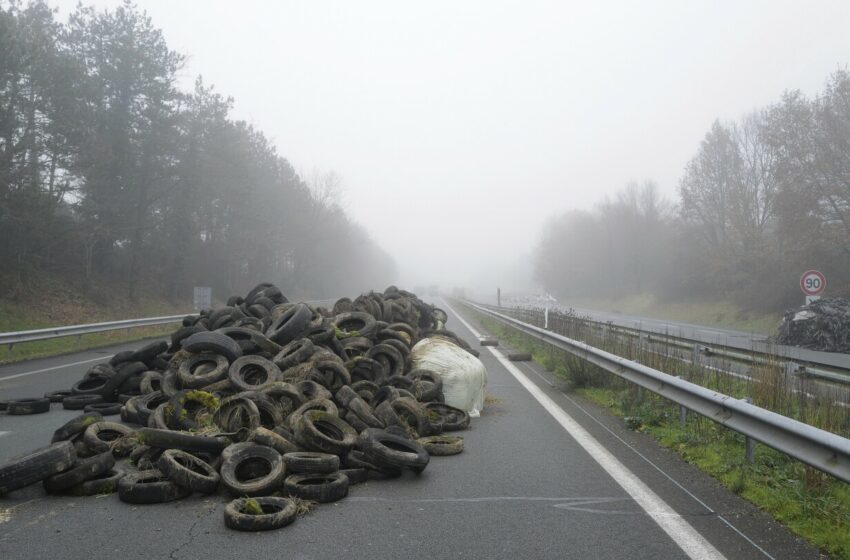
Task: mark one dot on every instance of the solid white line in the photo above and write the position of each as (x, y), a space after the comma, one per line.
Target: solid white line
(52, 368)
(4, 433)
(680, 531)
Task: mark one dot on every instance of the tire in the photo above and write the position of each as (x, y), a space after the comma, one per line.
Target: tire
(318, 404)
(367, 369)
(451, 419)
(285, 395)
(320, 431)
(27, 406)
(345, 395)
(294, 353)
(169, 439)
(439, 446)
(354, 324)
(392, 451)
(240, 458)
(213, 342)
(36, 465)
(100, 436)
(253, 373)
(290, 325)
(520, 357)
(151, 382)
(489, 342)
(312, 390)
(79, 402)
(269, 438)
(428, 383)
(389, 357)
(105, 409)
(333, 374)
(237, 413)
(149, 352)
(107, 483)
(386, 414)
(188, 407)
(188, 471)
(149, 487)
(322, 488)
(75, 426)
(277, 513)
(387, 393)
(359, 408)
(84, 470)
(201, 370)
(121, 357)
(57, 396)
(412, 414)
(306, 462)
(355, 476)
(358, 460)
(90, 386)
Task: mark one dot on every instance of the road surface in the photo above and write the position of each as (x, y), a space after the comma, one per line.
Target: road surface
(543, 475)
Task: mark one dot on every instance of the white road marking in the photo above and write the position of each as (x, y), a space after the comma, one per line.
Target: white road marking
(680, 531)
(53, 368)
(4, 433)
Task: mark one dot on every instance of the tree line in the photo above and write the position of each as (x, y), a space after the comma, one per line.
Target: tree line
(111, 175)
(763, 199)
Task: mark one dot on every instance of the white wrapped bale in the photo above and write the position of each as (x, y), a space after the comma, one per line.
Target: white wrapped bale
(464, 376)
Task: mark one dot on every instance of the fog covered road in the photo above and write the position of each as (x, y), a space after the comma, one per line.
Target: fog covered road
(543, 475)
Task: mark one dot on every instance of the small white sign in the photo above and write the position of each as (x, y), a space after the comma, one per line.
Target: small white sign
(810, 299)
(202, 297)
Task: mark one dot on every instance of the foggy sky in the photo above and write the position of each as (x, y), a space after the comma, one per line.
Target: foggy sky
(458, 127)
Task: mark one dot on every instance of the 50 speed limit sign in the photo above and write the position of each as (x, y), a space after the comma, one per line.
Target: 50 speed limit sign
(812, 282)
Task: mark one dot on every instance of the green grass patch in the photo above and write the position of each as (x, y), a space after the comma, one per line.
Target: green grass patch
(811, 504)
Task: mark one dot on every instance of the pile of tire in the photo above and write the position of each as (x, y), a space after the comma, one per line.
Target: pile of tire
(270, 401)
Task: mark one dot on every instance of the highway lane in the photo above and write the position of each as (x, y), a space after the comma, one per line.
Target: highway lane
(524, 487)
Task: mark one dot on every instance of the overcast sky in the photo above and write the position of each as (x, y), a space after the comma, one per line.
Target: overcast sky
(458, 127)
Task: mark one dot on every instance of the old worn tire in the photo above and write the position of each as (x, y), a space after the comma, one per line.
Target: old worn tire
(75, 426)
(253, 373)
(201, 370)
(439, 446)
(389, 450)
(451, 418)
(249, 469)
(36, 465)
(292, 323)
(303, 462)
(170, 439)
(99, 436)
(79, 402)
(213, 342)
(322, 488)
(273, 439)
(106, 483)
(188, 471)
(320, 431)
(27, 406)
(520, 357)
(294, 353)
(149, 487)
(355, 476)
(277, 512)
(106, 409)
(83, 470)
(57, 396)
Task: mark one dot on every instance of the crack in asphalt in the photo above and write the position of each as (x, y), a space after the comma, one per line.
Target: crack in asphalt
(211, 507)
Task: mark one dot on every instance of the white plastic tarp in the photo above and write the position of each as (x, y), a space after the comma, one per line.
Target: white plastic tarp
(464, 376)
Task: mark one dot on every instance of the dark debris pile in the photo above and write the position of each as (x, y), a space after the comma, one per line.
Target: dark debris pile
(274, 402)
(822, 325)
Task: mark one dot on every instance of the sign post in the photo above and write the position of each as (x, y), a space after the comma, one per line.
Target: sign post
(202, 298)
(813, 283)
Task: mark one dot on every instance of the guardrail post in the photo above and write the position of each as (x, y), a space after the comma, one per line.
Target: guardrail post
(683, 412)
(695, 355)
(749, 443)
(79, 340)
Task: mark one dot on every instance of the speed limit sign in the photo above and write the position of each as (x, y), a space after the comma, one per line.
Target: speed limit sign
(812, 282)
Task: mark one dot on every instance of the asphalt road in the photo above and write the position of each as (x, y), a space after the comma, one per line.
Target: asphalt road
(543, 475)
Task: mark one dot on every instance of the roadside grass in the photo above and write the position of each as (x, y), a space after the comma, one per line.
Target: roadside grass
(811, 504)
(723, 314)
(18, 316)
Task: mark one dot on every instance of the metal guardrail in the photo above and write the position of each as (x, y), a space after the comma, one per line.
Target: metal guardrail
(807, 368)
(818, 448)
(11, 338)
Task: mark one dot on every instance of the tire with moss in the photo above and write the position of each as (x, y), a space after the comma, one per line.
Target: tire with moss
(75, 426)
(440, 446)
(170, 439)
(188, 471)
(107, 483)
(259, 514)
(322, 488)
(320, 431)
(100, 436)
